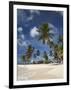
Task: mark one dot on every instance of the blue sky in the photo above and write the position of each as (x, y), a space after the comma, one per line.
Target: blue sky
(28, 22)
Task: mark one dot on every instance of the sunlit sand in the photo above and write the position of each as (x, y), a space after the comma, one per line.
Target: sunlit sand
(40, 71)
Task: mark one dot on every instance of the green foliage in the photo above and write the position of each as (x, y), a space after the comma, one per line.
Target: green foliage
(23, 57)
(58, 52)
(57, 48)
(60, 40)
(29, 52)
(45, 35)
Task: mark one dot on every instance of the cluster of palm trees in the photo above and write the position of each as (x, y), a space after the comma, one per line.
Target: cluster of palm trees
(31, 51)
(46, 37)
(58, 50)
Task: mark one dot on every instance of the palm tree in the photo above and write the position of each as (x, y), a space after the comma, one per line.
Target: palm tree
(23, 58)
(29, 52)
(45, 56)
(60, 47)
(57, 49)
(61, 53)
(51, 44)
(58, 52)
(44, 33)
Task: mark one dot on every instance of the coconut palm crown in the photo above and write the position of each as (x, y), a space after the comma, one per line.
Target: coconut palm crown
(44, 33)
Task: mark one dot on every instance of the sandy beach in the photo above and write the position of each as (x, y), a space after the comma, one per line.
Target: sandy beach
(40, 71)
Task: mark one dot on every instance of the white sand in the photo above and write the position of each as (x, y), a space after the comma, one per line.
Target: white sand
(40, 72)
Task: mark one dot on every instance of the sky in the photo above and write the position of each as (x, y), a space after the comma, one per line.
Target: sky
(28, 21)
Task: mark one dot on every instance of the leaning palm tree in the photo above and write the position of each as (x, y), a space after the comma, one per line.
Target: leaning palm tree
(44, 33)
(29, 53)
(23, 59)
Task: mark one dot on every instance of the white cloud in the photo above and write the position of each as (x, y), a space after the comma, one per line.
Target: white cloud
(53, 27)
(22, 36)
(22, 43)
(19, 42)
(35, 11)
(20, 29)
(34, 32)
(30, 18)
(32, 12)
